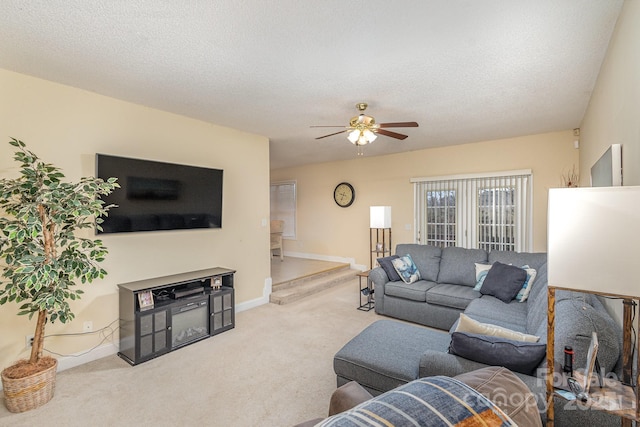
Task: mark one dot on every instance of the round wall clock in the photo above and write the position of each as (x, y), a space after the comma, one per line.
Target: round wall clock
(344, 194)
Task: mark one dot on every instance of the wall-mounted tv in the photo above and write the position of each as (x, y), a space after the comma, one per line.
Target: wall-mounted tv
(607, 171)
(160, 196)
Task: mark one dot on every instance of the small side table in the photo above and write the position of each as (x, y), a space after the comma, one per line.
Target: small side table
(365, 291)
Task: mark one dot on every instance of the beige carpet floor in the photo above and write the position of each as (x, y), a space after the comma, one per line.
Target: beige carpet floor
(275, 368)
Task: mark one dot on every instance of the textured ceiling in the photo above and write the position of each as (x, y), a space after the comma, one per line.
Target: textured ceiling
(465, 70)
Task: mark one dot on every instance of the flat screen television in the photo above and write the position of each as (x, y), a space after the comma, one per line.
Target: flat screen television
(607, 171)
(160, 196)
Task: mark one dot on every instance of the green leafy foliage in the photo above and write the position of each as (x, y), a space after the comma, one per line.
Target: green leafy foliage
(39, 217)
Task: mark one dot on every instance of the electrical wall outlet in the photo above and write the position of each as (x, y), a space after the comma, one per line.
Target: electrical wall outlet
(87, 326)
(28, 340)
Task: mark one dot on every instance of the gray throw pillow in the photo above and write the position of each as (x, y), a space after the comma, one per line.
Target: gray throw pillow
(503, 281)
(518, 356)
(388, 268)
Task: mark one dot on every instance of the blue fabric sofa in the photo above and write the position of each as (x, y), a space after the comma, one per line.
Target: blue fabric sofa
(389, 353)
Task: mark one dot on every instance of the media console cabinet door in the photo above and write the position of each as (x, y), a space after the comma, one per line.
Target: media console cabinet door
(153, 334)
(222, 310)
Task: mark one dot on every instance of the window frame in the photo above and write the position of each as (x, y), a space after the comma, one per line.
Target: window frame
(286, 213)
(467, 190)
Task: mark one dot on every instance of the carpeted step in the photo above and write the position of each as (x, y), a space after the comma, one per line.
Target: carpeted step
(294, 290)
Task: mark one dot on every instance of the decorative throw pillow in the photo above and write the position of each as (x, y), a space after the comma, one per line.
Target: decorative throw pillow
(523, 357)
(406, 269)
(387, 266)
(503, 281)
(481, 274)
(467, 324)
(523, 294)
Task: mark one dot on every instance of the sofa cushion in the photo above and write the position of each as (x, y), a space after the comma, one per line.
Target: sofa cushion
(532, 259)
(416, 291)
(455, 296)
(406, 269)
(388, 268)
(467, 324)
(425, 257)
(503, 281)
(457, 265)
(519, 356)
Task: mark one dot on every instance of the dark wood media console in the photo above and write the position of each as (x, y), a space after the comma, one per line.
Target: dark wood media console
(163, 314)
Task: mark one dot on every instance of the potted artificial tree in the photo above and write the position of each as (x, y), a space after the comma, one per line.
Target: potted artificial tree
(44, 259)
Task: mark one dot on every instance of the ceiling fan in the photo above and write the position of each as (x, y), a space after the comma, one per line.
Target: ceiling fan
(363, 129)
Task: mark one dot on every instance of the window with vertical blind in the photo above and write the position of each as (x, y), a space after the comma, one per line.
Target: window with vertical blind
(283, 206)
(488, 211)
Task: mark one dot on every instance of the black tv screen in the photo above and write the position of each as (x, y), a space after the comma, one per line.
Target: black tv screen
(160, 196)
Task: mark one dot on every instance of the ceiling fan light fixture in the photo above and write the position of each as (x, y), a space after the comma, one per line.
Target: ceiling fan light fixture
(354, 136)
(361, 137)
(363, 129)
(370, 136)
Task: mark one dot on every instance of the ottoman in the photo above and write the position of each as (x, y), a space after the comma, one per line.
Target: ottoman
(386, 354)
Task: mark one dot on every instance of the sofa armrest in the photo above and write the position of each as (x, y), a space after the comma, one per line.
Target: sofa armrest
(379, 278)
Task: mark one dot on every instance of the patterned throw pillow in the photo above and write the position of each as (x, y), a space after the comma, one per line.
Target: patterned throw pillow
(406, 269)
(523, 294)
(481, 274)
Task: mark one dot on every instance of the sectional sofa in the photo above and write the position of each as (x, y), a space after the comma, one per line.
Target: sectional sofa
(389, 353)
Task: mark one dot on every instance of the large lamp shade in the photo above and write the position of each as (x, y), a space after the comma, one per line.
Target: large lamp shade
(594, 239)
(380, 217)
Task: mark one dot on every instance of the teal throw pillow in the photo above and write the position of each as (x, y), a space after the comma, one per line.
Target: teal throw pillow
(481, 274)
(523, 294)
(406, 269)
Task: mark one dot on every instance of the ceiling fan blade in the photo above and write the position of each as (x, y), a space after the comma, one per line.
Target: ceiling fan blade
(391, 134)
(331, 134)
(399, 125)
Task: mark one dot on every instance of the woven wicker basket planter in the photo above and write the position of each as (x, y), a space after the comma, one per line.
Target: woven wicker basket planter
(28, 393)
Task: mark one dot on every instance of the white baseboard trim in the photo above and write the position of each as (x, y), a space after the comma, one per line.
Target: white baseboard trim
(330, 258)
(264, 299)
(68, 362)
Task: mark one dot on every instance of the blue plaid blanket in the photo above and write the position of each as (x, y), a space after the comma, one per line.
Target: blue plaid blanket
(432, 402)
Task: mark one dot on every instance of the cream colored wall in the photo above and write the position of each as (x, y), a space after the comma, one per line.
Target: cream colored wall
(327, 230)
(612, 116)
(67, 126)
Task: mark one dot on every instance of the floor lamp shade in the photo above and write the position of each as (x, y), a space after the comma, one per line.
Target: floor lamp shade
(594, 239)
(380, 217)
